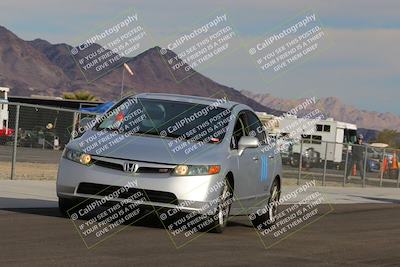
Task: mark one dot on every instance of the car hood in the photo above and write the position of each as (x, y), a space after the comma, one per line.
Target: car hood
(145, 148)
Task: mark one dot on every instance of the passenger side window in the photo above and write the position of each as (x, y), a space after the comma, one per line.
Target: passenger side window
(254, 125)
(238, 132)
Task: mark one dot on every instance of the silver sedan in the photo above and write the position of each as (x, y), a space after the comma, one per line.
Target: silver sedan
(182, 153)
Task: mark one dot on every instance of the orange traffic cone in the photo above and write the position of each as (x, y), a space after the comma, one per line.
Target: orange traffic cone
(395, 163)
(385, 164)
(354, 171)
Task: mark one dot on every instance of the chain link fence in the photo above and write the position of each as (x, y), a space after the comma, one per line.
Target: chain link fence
(38, 134)
(340, 164)
(36, 138)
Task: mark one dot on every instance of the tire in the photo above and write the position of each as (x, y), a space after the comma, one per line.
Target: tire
(307, 165)
(224, 208)
(65, 204)
(293, 162)
(268, 218)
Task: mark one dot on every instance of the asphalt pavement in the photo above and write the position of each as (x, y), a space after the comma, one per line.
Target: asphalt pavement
(352, 235)
(363, 232)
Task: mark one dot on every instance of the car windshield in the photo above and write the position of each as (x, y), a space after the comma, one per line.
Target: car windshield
(182, 120)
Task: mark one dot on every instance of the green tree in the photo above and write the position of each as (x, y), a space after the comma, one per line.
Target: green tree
(390, 137)
(80, 95)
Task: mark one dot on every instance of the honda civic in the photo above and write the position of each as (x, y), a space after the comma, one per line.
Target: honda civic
(186, 153)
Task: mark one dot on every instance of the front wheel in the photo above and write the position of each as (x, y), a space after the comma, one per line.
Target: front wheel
(267, 218)
(220, 218)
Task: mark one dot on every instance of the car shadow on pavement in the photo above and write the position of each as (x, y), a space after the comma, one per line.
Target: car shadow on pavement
(18, 203)
(49, 208)
(149, 220)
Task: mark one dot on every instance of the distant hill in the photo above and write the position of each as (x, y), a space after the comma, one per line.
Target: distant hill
(334, 108)
(39, 67)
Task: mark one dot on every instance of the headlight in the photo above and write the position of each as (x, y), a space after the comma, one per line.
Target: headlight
(192, 170)
(77, 156)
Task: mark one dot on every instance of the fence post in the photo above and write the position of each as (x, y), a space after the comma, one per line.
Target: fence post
(14, 154)
(345, 165)
(300, 161)
(326, 155)
(398, 173)
(382, 166)
(365, 166)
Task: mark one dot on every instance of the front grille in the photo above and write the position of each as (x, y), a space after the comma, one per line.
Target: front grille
(119, 167)
(109, 165)
(104, 190)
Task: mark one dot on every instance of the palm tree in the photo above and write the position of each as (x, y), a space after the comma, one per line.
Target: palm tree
(80, 95)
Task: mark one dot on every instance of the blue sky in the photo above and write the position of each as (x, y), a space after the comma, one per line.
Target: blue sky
(361, 67)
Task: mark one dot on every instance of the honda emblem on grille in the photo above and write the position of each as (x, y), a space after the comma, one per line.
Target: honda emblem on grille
(130, 167)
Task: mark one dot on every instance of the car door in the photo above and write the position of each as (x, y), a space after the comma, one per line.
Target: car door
(266, 155)
(249, 165)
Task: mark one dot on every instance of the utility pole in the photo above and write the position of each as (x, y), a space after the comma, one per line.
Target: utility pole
(128, 69)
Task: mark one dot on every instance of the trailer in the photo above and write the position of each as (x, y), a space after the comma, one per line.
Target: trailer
(325, 137)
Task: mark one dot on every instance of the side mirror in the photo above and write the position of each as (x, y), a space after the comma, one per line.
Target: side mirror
(247, 142)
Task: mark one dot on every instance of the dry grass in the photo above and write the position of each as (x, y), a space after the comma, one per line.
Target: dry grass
(29, 171)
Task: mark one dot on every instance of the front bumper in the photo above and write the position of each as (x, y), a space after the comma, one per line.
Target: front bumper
(193, 193)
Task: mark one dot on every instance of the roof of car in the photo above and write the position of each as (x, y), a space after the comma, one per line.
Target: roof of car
(188, 98)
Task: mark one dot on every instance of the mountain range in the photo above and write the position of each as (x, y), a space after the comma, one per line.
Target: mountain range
(41, 68)
(332, 107)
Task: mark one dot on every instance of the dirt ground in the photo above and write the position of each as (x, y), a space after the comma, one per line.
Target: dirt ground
(29, 171)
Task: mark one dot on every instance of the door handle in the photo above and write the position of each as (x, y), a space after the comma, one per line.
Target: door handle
(271, 156)
(255, 158)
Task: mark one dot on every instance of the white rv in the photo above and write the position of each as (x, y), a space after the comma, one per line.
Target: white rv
(320, 135)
